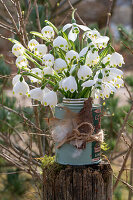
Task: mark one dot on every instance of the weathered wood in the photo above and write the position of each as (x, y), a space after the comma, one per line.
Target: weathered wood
(80, 183)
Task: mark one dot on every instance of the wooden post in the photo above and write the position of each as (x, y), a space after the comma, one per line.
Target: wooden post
(79, 183)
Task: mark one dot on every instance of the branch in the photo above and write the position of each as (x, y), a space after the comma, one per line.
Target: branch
(71, 6)
(11, 17)
(3, 37)
(38, 19)
(125, 183)
(122, 128)
(38, 136)
(127, 47)
(123, 166)
(21, 22)
(22, 116)
(7, 28)
(108, 16)
(118, 155)
(6, 25)
(28, 12)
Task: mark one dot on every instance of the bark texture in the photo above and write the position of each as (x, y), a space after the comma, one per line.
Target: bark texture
(80, 183)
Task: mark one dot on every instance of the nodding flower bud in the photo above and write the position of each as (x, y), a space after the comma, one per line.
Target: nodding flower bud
(50, 99)
(40, 50)
(21, 88)
(84, 72)
(59, 64)
(73, 21)
(61, 43)
(32, 43)
(48, 32)
(18, 50)
(48, 60)
(69, 84)
(71, 55)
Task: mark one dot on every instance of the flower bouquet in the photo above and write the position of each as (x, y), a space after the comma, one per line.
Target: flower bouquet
(78, 63)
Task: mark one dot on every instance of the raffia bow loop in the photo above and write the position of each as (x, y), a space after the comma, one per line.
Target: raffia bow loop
(77, 134)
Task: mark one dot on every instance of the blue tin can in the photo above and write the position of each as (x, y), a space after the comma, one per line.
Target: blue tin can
(68, 154)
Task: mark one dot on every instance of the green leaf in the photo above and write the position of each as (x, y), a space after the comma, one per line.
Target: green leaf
(31, 74)
(112, 49)
(104, 52)
(32, 60)
(14, 41)
(39, 35)
(52, 25)
(31, 54)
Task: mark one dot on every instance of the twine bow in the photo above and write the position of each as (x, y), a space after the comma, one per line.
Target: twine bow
(85, 137)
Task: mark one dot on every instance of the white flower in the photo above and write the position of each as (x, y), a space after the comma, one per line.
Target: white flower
(37, 72)
(21, 61)
(118, 82)
(71, 55)
(74, 30)
(83, 51)
(116, 59)
(21, 88)
(61, 43)
(106, 59)
(16, 79)
(32, 43)
(103, 89)
(89, 83)
(115, 71)
(48, 32)
(48, 60)
(48, 70)
(84, 72)
(92, 34)
(50, 99)
(59, 64)
(70, 84)
(92, 58)
(102, 41)
(72, 68)
(97, 39)
(38, 93)
(40, 50)
(18, 50)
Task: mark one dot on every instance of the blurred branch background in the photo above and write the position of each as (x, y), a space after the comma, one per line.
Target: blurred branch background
(24, 135)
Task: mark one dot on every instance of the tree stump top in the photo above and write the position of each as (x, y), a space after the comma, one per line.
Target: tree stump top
(92, 182)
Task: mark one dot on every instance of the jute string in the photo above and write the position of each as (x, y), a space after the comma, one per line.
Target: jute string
(86, 137)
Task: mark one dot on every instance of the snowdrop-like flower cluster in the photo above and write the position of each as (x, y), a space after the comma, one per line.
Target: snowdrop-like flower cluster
(64, 64)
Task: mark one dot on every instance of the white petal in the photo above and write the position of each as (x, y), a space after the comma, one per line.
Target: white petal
(16, 79)
(84, 72)
(72, 36)
(48, 60)
(48, 32)
(88, 83)
(83, 51)
(32, 43)
(60, 64)
(69, 83)
(66, 27)
(61, 43)
(48, 70)
(50, 99)
(116, 71)
(21, 88)
(17, 50)
(71, 55)
(84, 28)
(38, 93)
